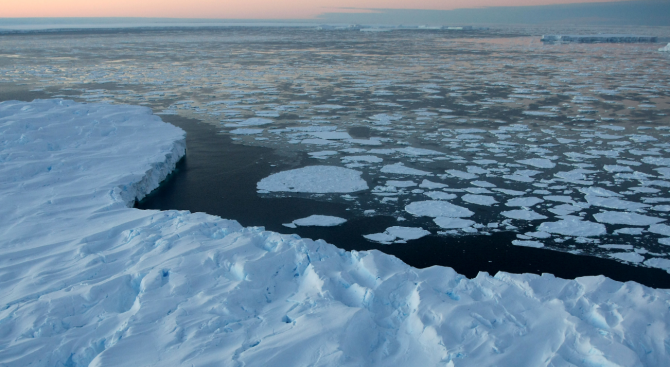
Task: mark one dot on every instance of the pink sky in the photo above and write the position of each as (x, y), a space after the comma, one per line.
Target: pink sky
(236, 9)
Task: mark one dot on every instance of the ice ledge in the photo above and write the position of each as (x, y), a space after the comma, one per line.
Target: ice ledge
(89, 282)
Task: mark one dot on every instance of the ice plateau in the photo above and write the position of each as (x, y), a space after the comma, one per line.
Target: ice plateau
(89, 281)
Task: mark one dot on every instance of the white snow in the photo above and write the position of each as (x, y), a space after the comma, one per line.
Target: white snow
(88, 280)
(665, 49)
(314, 179)
(436, 208)
(319, 221)
(573, 226)
(629, 219)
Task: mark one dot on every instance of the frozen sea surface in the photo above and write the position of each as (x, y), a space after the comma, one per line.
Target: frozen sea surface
(91, 281)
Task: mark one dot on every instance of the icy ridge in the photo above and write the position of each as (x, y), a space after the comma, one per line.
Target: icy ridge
(152, 178)
(89, 283)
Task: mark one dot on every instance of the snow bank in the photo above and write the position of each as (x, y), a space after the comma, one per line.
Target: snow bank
(87, 280)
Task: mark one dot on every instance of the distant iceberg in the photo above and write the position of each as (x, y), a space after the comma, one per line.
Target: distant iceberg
(665, 49)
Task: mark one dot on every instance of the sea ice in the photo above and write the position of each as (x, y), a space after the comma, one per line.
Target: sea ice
(319, 221)
(451, 223)
(426, 184)
(397, 234)
(629, 219)
(90, 281)
(314, 179)
(400, 169)
(665, 49)
(538, 162)
(522, 214)
(362, 158)
(662, 229)
(246, 131)
(440, 195)
(524, 201)
(436, 208)
(629, 231)
(628, 256)
(479, 199)
(573, 226)
(255, 121)
(528, 243)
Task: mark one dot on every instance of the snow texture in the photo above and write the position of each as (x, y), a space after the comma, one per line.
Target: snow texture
(315, 179)
(89, 281)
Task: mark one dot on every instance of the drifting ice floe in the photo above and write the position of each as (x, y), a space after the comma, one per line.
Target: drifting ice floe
(573, 226)
(522, 214)
(528, 243)
(629, 219)
(397, 234)
(434, 208)
(90, 281)
(314, 179)
(319, 221)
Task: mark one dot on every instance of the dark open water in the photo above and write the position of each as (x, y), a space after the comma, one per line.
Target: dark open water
(219, 178)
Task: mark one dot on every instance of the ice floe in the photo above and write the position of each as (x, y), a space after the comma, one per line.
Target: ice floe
(319, 221)
(397, 234)
(435, 208)
(522, 214)
(573, 226)
(528, 243)
(625, 218)
(314, 179)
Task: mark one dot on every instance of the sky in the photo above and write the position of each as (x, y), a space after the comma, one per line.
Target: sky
(243, 9)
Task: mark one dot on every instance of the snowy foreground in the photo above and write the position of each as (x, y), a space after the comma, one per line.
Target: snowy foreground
(86, 280)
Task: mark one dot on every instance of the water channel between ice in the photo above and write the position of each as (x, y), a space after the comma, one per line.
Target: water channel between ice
(219, 177)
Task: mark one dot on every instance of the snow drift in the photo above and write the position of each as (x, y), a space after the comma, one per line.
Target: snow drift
(88, 281)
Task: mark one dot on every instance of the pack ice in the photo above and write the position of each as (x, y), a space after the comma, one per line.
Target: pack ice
(89, 281)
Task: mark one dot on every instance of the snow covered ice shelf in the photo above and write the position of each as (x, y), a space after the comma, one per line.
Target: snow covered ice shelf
(87, 280)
